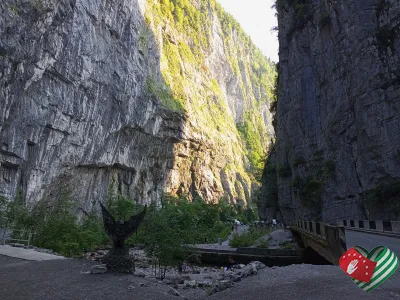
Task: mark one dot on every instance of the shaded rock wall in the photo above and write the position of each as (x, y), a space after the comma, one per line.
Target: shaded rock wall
(338, 119)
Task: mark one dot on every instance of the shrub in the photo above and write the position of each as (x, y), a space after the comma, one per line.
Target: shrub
(284, 170)
(325, 19)
(164, 231)
(263, 244)
(296, 182)
(311, 192)
(330, 166)
(385, 37)
(286, 245)
(246, 239)
(299, 161)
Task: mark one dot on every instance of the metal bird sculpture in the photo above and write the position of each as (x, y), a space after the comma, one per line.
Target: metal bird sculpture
(119, 231)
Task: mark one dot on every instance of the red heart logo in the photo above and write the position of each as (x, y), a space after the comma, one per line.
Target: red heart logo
(357, 266)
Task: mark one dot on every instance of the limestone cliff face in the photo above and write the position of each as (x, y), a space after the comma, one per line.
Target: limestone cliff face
(90, 95)
(338, 114)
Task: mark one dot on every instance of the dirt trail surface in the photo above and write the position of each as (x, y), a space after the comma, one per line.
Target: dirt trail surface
(27, 254)
(68, 279)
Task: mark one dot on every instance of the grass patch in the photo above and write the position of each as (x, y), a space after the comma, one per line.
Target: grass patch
(263, 244)
(248, 238)
(164, 94)
(286, 245)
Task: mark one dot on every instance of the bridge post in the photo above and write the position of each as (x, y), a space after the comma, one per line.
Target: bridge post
(366, 224)
(395, 226)
(379, 226)
(336, 242)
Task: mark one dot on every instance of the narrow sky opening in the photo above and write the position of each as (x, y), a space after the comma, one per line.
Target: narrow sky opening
(257, 18)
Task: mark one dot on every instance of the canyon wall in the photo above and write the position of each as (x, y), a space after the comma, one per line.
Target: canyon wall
(337, 152)
(144, 97)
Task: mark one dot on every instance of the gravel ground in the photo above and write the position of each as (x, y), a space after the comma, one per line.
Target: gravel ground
(307, 282)
(69, 279)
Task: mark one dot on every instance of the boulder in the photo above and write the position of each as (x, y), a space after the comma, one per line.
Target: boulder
(259, 265)
(220, 286)
(190, 283)
(248, 270)
(235, 277)
(139, 273)
(176, 279)
(173, 292)
(98, 269)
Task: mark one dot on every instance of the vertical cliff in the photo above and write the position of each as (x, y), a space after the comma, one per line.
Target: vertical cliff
(338, 121)
(155, 96)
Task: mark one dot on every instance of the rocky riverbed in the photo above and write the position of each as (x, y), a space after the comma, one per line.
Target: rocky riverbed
(209, 279)
(71, 279)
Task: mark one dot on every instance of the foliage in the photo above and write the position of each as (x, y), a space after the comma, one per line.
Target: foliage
(330, 166)
(14, 9)
(164, 94)
(186, 28)
(255, 150)
(164, 230)
(284, 170)
(246, 239)
(3, 211)
(385, 37)
(286, 245)
(299, 161)
(311, 192)
(263, 244)
(384, 193)
(325, 19)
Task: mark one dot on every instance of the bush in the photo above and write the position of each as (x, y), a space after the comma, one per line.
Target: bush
(284, 170)
(246, 239)
(330, 166)
(163, 232)
(263, 244)
(299, 161)
(311, 192)
(325, 19)
(286, 245)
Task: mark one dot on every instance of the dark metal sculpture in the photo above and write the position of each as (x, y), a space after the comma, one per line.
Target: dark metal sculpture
(119, 231)
(118, 258)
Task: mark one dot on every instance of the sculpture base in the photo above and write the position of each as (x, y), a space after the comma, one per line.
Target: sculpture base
(119, 260)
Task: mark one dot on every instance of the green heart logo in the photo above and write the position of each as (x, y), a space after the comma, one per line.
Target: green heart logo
(386, 265)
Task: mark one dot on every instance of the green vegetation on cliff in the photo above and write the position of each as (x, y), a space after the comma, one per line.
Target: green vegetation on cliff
(189, 30)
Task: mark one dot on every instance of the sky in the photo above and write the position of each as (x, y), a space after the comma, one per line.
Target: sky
(256, 18)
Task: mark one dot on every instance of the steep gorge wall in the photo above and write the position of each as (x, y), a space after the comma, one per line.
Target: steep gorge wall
(338, 120)
(95, 92)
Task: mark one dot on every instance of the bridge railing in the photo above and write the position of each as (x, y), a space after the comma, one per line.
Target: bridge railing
(328, 240)
(267, 227)
(373, 226)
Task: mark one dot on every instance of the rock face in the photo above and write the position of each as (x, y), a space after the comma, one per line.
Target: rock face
(338, 120)
(89, 96)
